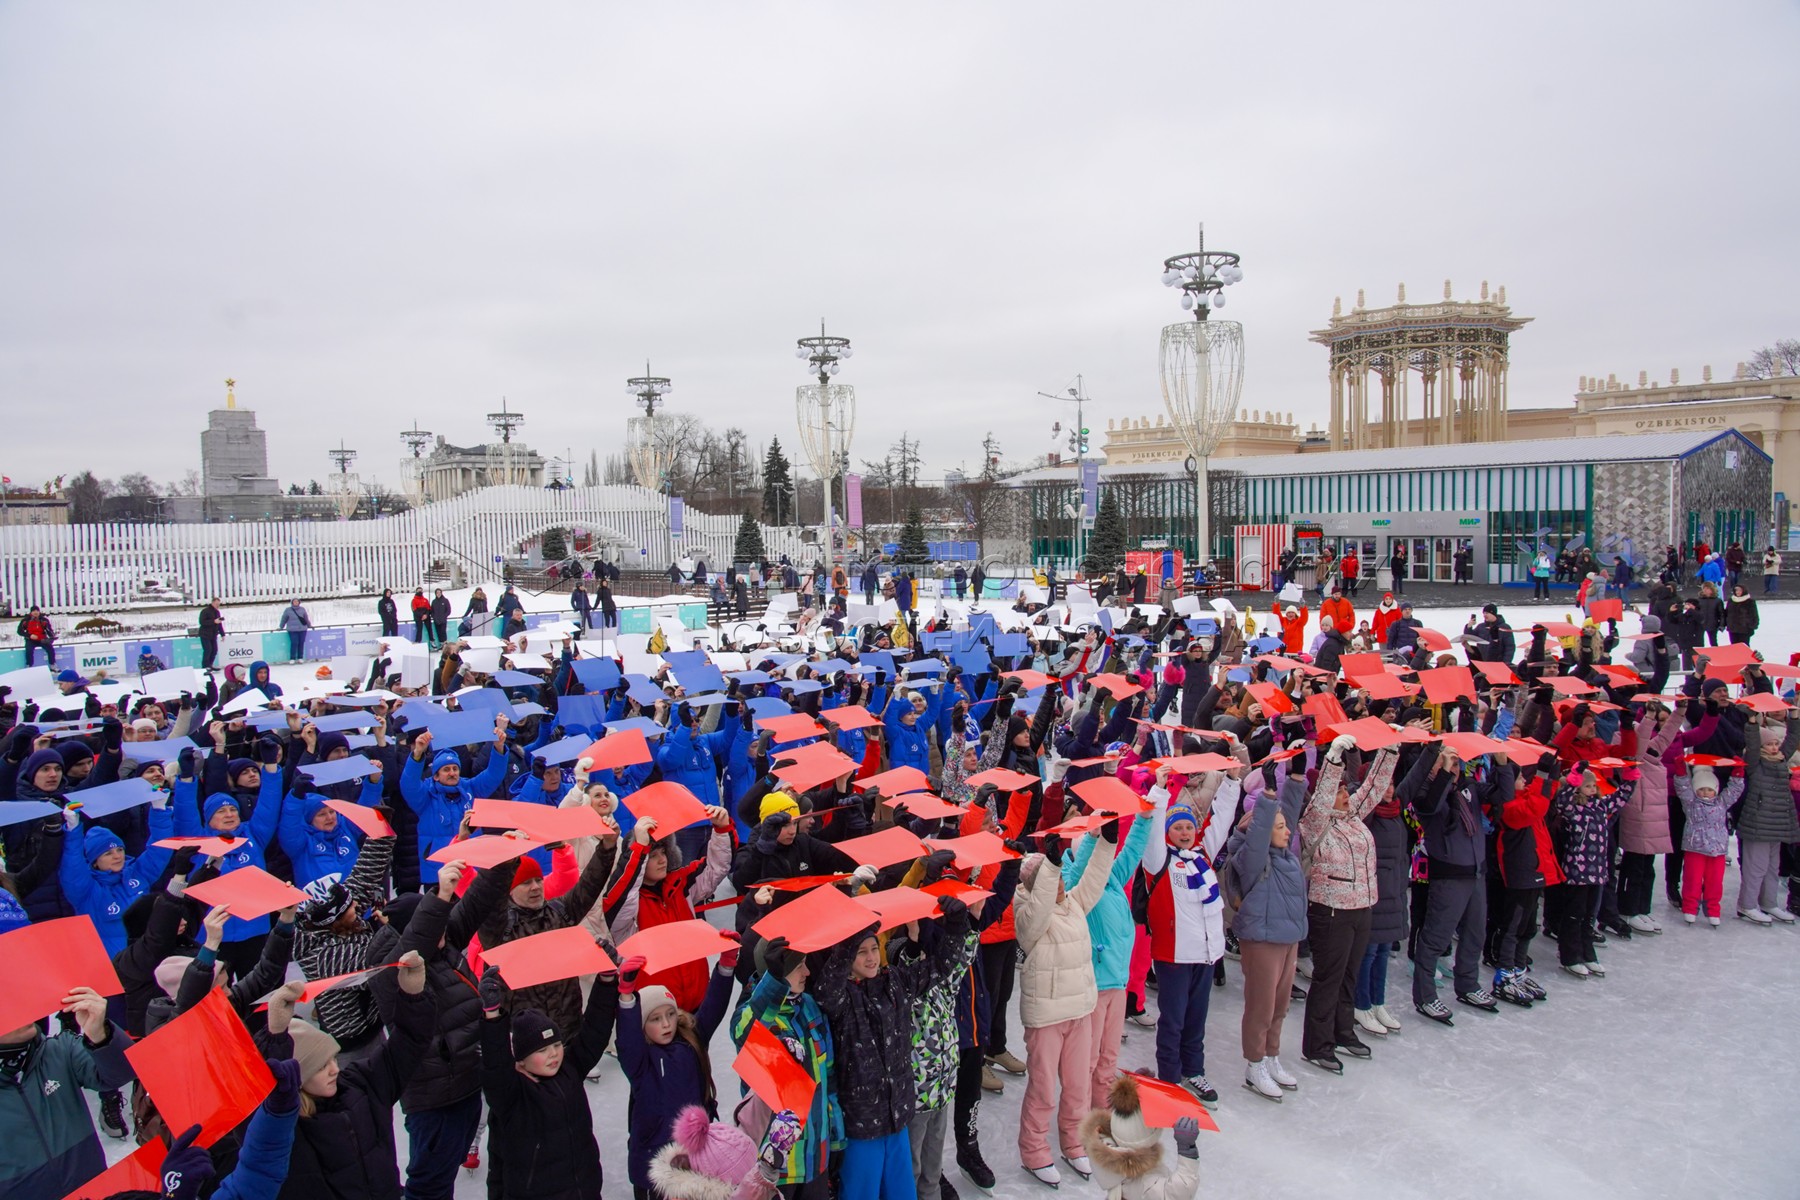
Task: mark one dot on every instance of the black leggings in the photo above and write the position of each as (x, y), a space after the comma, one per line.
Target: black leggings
(1637, 883)
(968, 1096)
(999, 965)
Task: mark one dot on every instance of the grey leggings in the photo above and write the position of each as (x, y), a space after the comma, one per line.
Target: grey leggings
(1759, 870)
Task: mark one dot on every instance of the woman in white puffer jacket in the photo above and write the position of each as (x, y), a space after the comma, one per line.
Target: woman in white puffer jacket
(1057, 995)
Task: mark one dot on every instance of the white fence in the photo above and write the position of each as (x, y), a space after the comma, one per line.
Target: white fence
(83, 567)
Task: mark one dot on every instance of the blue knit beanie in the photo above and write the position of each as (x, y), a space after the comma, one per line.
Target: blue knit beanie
(97, 841)
(73, 751)
(236, 767)
(214, 803)
(329, 742)
(444, 758)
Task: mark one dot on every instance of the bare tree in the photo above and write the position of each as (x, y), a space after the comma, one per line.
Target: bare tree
(1783, 358)
(137, 485)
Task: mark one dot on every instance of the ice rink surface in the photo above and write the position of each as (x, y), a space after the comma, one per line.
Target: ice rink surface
(1678, 1075)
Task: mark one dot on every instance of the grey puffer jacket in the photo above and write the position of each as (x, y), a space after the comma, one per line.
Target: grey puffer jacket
(1270, 881)
(1768, 812)
(1389, 922)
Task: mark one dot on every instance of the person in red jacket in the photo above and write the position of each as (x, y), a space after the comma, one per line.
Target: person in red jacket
(1386, 613)
(1578, 741)
(1293, 628)
(1527, 866)
(655, 887)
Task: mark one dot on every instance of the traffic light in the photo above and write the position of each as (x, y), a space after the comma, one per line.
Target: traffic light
(1084, 439)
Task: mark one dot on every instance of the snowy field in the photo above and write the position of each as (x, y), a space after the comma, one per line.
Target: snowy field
(1674, 1076)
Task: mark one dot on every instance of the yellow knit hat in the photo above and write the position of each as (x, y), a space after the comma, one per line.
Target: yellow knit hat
(777, 802)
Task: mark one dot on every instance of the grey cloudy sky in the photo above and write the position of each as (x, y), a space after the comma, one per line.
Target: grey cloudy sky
(371, 214)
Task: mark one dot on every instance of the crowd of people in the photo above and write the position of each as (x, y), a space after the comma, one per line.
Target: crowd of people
(1042, 812)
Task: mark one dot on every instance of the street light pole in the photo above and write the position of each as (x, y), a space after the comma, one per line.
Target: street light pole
(820, 433)
(1078, 444)
(649, 462)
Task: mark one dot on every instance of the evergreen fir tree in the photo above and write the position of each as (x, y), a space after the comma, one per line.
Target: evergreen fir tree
(1106, 544)
(913, 549)
(555, 546)
(749, 546)
(777, 503)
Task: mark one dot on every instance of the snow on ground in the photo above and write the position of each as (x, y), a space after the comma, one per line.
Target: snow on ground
(1672, 1076)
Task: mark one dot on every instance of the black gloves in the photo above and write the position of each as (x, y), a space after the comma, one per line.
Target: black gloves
(746, 718)
(186, 761)
(769, 832)
(984, 795)
(538, 767)
(1109, 832)
(112, 733)
(493, 990)
(936, 863)
(951, 907)
(268, 748)
(188, 1167)
(685, 714)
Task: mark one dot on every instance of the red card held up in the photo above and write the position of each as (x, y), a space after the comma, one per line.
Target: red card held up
(974, 850)
(850, 716)
(317, 987)
(1324, 709)
(1497, 673)
(626, 748)
(47, 959)
(774, 1075)
(1166, 1103)
(1607, 610)
(251, 891)
(1711, 760)
(1371, 733)
(1472, 745)
(925, 806)
(1382, 686)
(894, 907)
(548, 957)
(1197, 764)
(372, 823)
(1568, 685)
(799, 883)
(1076, 827)
(1119, 686)
(208, 847)
(139, 1171)
(1003, 778)
(967, 893)
(203, 1069)
(1033, 680)
(667, 803)
(1445, 685)
(896, 782)
(540, 820)
(822, 917)
(1272, 698)
(1360, 664)
(672, 945)
(1762, 702)
(812, 765)
(1431, 639)
(484, 852)
(883, 848)
(1109, 793)
(791, 727)
(1732, 654)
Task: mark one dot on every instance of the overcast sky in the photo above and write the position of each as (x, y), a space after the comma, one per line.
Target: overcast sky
(376, 214)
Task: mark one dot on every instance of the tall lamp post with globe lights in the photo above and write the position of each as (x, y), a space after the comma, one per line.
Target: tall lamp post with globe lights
(826, 412)
(1202, 366)
(646, 449)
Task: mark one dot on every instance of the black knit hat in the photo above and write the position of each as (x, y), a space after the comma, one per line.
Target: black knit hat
(532, 1031)
(780, 964)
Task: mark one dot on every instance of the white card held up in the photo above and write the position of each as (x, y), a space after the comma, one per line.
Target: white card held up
(169, 684)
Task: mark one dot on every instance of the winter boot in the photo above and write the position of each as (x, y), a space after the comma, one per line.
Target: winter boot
(968, 1153)
(112, 1114)
(946, 1189)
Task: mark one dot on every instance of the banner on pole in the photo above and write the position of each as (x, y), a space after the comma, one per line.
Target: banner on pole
(675, 515)
(1090, 491)
(853, 501)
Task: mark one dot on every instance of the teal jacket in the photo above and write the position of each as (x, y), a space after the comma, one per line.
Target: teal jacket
(50, 1148)
(1110, 927)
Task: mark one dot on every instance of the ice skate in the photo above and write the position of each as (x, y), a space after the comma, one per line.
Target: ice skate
(1481, 998)
(1369, 1023)
(1579, 970)
(1046, 1174)
(1437, 1011)
(1641, 923)
(1385, 1017)
(1080, 1164)
(1755, 916)
(1007, 1061)
(1284, 1078)
(1781, 914)
(973, 1166)
(1256, 1078)
(1204, 1091)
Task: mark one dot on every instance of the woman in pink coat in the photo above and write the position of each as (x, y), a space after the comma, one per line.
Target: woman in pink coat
(1644, 825)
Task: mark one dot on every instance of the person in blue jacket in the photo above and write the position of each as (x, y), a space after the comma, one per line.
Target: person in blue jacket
(100, 882)
(442, 798)
(221, 812)
(908, 718)
(691, 758)
(260, 680)
(318, 842)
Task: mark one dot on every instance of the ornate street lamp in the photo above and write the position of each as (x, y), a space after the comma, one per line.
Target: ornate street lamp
(1202, 365)
(826, 413)
(649, 451)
